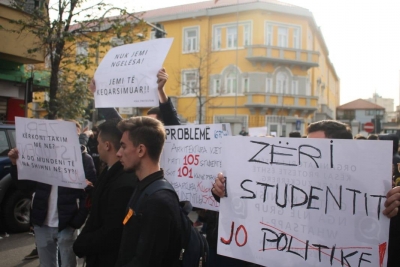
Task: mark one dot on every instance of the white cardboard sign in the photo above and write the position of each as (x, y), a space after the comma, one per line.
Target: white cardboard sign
(305, 202)
(191, 159)
(127, 75)
(49, 152)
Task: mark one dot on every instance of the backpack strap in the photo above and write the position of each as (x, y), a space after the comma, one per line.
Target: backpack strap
(155, 186)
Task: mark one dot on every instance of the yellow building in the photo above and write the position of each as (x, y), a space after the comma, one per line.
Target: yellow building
(252, 64)
(14, 76)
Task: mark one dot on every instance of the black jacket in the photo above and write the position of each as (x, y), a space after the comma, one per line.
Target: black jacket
(167, 110)
(70, 213)
(152, 237)
(101, 236)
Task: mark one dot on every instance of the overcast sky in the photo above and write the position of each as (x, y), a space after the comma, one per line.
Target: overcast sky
(363, 38)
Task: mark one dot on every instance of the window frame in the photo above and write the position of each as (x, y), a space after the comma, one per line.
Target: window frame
(82, 48)
(230, 82)
(194, 41)
(217, 86)
(268, 85)
(283, 38)
(185, 91)
(229, 35)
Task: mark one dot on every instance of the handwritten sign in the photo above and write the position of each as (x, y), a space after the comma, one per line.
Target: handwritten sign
(49, 152)
(305, 202)
(258, 131)
(126, 77)
(191, 159)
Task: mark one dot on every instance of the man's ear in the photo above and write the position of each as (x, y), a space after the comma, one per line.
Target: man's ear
(108, 145)
(142, 150)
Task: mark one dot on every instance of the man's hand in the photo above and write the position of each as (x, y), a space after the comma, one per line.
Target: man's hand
(13, 155)
(219, 185)
(92, 86)
(162, 77)
(392, 202)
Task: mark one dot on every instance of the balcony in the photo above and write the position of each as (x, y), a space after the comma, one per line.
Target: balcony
(326, 112)
(282, 55)
(273, 103)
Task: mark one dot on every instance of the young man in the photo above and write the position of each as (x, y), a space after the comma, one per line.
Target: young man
(101, 236)
(56, 213)
(152, 232)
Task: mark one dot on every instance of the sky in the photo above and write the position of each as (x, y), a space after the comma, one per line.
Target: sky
(362, 36)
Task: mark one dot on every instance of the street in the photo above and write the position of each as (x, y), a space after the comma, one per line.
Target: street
(14, 248)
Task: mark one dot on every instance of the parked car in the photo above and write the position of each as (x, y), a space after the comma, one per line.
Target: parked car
(14, 205)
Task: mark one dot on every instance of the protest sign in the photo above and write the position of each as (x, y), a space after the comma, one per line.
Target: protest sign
(127, 75)
(258, 131)
(49, 152)
(305, 202)
(191, 160)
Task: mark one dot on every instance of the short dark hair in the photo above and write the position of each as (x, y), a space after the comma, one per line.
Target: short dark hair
(108, 131)
(157, 112)
(147, 131)
(373, 137)
(360, 137)
(295, 134)
(332, 129)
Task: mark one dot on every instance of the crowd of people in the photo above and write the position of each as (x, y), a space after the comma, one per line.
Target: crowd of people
(119, 225)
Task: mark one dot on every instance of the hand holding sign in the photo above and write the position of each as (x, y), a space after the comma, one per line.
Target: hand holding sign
(219, 185)
(13, 156)
(392, 202)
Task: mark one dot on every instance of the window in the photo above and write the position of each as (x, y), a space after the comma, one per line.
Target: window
(4, 146)
(268, 85)
(217, 39)
(310, 43)
(269, 35)
(81, 52)
(231, 83)
(282, 83)
(231, 36)
(246, 35)
(296, 38)
(82, 49)
(282, 36)
(373, 112)
(308, 87)
(295, 87)
(189, 83)
(190, 41)
(115, 41)
(246, 84)
(217, 86)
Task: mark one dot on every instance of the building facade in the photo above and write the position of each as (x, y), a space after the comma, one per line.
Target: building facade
(358, 112)
(16, 64)
(388, 104)
(250, 63)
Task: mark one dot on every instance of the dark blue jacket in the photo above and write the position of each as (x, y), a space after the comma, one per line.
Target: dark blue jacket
(70, 202)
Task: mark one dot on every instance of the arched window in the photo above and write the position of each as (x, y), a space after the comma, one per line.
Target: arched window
(282, 83)
(231, 83)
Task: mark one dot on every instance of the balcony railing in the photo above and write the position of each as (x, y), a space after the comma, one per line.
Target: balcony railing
(282, 55)
(326, 110)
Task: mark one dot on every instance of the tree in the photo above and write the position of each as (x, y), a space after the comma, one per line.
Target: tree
(60, 28)
(195, 82)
